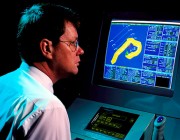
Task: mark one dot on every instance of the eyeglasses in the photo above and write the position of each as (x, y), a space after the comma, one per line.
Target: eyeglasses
(73, 45)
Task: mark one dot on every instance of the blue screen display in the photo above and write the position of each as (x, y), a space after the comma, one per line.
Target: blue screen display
(142, 52)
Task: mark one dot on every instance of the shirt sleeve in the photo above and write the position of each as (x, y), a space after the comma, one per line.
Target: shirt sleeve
(51, 124)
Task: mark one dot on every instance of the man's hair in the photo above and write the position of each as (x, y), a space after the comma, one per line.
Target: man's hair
(43, 20)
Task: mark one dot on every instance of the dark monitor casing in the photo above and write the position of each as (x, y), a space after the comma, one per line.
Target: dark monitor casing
(100, 57)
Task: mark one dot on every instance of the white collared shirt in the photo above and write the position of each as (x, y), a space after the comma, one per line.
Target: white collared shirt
(29, 109)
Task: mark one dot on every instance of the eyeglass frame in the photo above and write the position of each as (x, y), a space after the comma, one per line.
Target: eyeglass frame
(71, 43)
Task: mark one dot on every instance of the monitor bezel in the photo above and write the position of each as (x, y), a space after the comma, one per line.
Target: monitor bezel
(98, 71)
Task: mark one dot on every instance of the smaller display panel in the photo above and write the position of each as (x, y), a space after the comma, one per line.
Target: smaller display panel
(112, 122)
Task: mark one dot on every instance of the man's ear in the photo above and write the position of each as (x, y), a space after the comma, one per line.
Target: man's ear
(46, 48)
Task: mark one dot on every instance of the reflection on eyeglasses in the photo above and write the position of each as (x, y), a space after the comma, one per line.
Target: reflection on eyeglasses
(73, 45)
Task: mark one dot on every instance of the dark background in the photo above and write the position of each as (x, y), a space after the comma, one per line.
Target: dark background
(91, 13)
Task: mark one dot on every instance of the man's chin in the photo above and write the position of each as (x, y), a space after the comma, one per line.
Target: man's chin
(74, 72)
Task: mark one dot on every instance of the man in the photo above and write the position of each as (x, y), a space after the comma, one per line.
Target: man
(48, 44)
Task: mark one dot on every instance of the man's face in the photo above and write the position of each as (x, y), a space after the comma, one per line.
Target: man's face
(65, 59)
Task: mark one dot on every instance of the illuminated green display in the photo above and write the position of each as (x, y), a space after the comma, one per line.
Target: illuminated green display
(112, 122)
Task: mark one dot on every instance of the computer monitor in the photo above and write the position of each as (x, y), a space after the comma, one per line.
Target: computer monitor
(138, 54)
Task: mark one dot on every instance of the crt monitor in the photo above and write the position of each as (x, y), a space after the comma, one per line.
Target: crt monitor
(138, 54)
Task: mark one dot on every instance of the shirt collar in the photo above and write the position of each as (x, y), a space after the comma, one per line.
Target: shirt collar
(38, 76)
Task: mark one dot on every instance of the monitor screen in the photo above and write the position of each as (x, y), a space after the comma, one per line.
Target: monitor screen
(138, 55)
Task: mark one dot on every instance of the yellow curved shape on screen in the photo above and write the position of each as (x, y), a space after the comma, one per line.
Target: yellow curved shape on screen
(124, 46)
